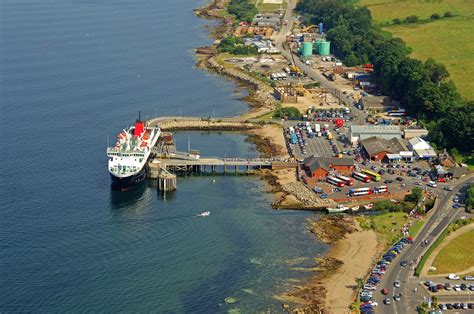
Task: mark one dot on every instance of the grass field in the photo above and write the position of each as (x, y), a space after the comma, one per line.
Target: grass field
(449, 41)
(386, 225)
(269, 7)
(386, 10)
(457, 256)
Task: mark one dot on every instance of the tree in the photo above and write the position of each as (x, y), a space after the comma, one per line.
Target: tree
(360, 282)
(415, 196)
(397, 21)
(434, 16)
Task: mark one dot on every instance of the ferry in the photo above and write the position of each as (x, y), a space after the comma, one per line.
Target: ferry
(129, 157)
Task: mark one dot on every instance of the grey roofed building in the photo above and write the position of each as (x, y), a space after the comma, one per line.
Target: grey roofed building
(458, 172)
(338, 161)
(360, 132)
(271, 20)
(375, 144)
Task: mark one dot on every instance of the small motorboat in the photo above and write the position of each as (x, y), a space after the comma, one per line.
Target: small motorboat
(204, 214)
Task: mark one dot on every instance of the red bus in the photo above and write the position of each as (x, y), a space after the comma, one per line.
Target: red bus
(360, 176)
(360, 191)
(346, 180)
(381, 189)
(335, 181)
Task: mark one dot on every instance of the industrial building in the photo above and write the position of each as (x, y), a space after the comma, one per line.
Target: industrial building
(378, 103)
(319, 167)
(360, 132)
(422, 149)
(263, 46)
(267, 20)
(286, 94)
(409, 133)
(392, 150)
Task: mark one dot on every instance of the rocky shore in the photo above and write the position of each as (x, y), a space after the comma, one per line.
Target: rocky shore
(331, 289)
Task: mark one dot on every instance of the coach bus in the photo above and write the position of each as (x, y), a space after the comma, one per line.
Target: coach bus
(346, 180)
(360, 176)
(381, 189)
(335, 181)
(360, 192)
(374, 176)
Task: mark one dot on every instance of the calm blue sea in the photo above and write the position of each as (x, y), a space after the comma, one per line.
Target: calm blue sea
(73, 73)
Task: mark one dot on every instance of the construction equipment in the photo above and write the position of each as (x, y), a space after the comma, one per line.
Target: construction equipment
(307, 29)
(294, 70)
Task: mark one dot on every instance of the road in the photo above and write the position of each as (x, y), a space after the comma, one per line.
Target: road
(313, 74)
(442, 216)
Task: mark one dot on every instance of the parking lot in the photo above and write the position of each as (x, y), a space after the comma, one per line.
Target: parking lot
(316, 145)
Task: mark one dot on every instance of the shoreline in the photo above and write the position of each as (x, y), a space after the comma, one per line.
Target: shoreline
(332, 289)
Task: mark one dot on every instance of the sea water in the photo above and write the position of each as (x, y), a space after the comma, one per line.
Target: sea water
(72, 75)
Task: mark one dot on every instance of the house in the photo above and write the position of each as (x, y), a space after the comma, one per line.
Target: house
(360, 132)
(422, 149)
(320, 167)
(378, 148)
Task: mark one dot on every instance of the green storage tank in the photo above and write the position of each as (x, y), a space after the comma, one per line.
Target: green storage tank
(317, 44)
(324, 48)
(307, 49)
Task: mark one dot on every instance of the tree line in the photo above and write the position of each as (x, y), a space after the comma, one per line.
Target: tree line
(243, 10)
(423, 88)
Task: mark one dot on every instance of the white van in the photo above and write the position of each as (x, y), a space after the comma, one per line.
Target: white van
(432, 184)
(453, 277)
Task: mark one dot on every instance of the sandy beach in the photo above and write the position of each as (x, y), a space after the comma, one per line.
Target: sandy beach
(358, 251)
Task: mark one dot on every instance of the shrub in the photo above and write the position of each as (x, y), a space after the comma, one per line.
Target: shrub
(411, 19)
(397, 21)
(434, 16)
(448, 14)
(290, 112)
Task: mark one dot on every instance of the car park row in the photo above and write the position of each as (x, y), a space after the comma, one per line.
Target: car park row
(366, 294)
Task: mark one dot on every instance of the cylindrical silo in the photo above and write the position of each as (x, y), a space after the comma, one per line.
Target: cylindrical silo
(307, 49)
(324, 48)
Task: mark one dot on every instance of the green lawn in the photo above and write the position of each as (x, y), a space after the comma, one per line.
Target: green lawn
(416, 227)
(388, 225)
(457, 256)
(449, 40)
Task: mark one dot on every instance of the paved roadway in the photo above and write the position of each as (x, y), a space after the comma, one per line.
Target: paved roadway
(442, 216)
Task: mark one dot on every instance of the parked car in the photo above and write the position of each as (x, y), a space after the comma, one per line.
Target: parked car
(442, 307)
(384, 291)
(387, 301)
(447, 286)
(323, 196)
(400, 179)
(396, 284)
(469, 278)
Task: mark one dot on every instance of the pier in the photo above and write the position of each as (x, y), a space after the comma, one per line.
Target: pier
(225, 164)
